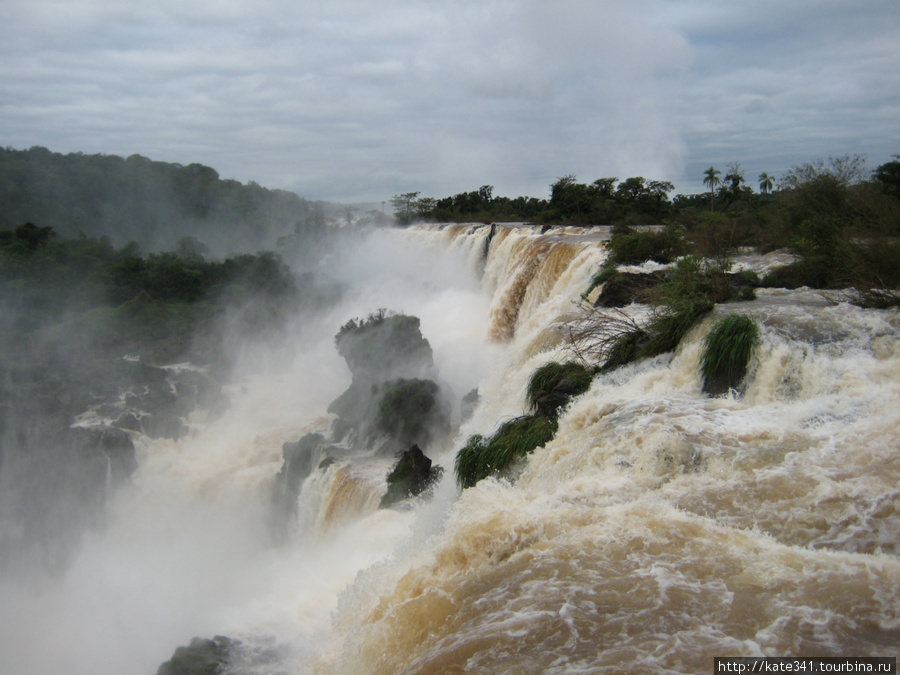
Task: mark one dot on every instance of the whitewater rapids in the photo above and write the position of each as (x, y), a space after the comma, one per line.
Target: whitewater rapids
(658, 529)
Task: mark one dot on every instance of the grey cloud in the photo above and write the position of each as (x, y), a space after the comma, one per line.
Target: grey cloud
(356, 100)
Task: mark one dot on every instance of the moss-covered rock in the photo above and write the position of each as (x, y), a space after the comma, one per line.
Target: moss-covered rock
(411, 476)
(623, 288)
(393, 392)
(410, 411)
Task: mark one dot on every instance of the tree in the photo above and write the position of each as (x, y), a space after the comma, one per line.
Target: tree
(888, 175)
(632, 189)
(712, 180)
(605, 186)
(403, 207)
(346, 212)
(845, 169)
(766, 183)
(570, 199)
(425, 206)
(192, 248)
(660, 189)
(559, 190)
(733, 185)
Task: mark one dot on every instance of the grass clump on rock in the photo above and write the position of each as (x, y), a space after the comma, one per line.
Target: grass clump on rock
(553, 384)
(550, 388)
(726, 353)
(482, 457)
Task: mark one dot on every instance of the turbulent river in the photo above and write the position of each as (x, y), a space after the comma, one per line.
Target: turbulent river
(658, 529)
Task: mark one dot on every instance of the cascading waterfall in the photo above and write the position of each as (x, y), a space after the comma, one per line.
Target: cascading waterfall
(658, 529)
(661, 528)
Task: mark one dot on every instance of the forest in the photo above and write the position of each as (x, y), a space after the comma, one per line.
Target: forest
(151, 203)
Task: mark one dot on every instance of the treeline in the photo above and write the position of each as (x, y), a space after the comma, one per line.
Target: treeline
(149, 202)
(639, 201)
(634, 201)
(166, 305)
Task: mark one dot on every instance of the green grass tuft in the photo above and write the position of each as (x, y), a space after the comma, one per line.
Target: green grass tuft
(726, 353)
(667, 330)
(553, 384)
(600, 278)
(482, 457)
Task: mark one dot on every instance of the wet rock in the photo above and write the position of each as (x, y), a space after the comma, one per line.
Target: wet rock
(129, 420)
(469, 402)
(385, 347)
(411, 476)
(299, 461)
(623, 288)
(300, 458)
(201, 657)
(393, 399)
(111, 449)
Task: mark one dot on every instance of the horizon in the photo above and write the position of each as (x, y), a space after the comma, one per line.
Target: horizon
(752, 183)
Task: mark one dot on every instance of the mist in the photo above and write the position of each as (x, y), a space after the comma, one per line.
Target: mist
(183, 547)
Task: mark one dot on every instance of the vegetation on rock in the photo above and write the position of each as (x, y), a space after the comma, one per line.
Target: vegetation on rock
(412, 475)
(552, 386)
(482, 457)
(634, 247)
(410, 411)
(201, 657)
(726, 353)
(384, 345)
(388, 396)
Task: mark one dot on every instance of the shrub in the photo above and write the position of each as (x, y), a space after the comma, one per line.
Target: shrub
(624, 349)
(726, 353)
(694, 281)
(600, 336)
(482, 457)
(552, 386)
(409, 410)
(691, 290)
(636, 247)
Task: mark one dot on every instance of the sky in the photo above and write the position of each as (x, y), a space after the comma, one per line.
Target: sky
(356, 101)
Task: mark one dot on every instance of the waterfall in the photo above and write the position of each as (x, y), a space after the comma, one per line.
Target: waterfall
(658, 529)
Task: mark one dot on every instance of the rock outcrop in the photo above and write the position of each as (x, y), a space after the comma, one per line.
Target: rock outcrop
(411, 476)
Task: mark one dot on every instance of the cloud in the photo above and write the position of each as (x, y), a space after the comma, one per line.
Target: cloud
(350, 100)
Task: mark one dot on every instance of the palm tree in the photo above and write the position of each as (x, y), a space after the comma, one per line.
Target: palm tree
(765, 183)
(712, 179)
